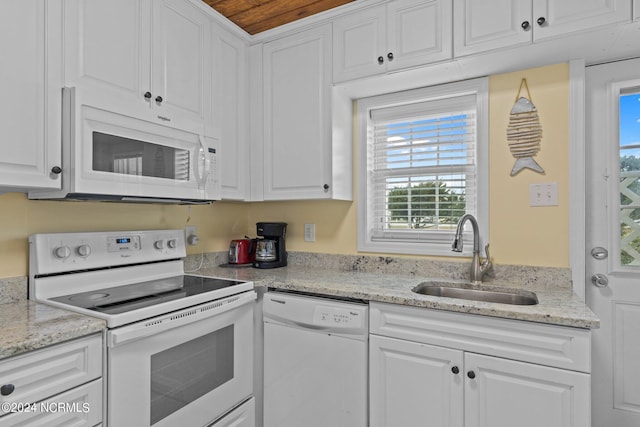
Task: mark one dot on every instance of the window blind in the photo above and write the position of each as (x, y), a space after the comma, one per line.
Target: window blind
(422, 168)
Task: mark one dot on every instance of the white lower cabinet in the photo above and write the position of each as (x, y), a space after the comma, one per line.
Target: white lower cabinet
(59, 385)
(442, 369)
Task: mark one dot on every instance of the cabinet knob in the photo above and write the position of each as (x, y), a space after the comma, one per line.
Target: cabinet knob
(159, 99)
(7, 389)
(525, 25)
(147, 95)
(57, 170)
(326, 186)
(380, 60)
(541, 21)
(390, 56)
(471, 374)
(455, 370)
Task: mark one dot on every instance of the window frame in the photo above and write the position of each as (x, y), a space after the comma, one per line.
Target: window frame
(437, 244)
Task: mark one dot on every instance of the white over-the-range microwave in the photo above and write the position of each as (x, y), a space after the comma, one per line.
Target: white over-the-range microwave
(113, 157)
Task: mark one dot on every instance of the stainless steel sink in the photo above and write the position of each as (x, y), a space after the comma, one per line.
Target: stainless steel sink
(470, 292)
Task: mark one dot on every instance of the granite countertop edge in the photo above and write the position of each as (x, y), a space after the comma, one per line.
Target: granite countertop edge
(29, 325)
(558, 305)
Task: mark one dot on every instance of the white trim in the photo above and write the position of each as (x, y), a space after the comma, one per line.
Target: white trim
(577, 203)
(480, 87)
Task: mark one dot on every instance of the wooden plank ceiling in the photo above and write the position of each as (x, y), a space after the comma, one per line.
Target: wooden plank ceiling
(255, 16)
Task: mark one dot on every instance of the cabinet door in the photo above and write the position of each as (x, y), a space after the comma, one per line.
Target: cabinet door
(414, 384)
(505, 393)
(31, 75)
(419, 32)
(359, 44)
(230, 82)
(636, 10)
(565, 16)
(481, 25)
(107, 52)
(181, 64)
(297, 125)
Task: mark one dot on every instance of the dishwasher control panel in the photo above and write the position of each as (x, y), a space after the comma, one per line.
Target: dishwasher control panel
(337, 317)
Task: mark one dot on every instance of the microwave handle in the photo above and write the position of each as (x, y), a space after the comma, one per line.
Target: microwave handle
(202, 170)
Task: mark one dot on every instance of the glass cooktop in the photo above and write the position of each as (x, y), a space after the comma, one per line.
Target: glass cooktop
(121, 299)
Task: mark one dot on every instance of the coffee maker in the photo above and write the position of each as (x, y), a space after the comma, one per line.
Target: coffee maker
(270, 250)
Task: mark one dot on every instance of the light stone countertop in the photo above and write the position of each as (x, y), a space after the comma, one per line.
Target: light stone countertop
(557, 305)
(27, 325)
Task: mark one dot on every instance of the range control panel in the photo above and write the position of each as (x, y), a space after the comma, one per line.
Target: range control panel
(62, 252)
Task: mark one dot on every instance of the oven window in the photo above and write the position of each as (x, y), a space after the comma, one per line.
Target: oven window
(190, 370)
(127, 156)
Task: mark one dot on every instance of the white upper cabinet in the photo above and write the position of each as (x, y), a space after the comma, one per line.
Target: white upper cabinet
(481, 25)
(298, 150)
(147, 59)
(230, 111)
(31, 75)
(398, 35)
(636, 10)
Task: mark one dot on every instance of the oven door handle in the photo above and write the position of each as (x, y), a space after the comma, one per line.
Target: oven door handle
(156, 325)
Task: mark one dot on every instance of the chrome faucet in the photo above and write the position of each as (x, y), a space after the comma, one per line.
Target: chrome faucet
(478, 268)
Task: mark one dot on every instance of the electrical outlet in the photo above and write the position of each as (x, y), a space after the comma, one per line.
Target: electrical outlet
(543, 194)
(309, 232)
(190, 235)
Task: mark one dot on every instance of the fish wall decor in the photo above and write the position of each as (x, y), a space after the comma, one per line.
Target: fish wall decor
(524, 133)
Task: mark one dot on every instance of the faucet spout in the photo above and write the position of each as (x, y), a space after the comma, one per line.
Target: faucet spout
(478, 267)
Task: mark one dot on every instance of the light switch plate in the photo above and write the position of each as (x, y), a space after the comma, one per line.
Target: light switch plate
(309, 232)
(545, 194)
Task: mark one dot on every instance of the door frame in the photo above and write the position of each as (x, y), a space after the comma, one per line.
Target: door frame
(577, 171)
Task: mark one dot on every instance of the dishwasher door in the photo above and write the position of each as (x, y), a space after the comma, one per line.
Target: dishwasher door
(315, 362)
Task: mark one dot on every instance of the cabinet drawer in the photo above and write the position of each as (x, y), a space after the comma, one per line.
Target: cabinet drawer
(43, 373)
(79, 407)
(558, 346)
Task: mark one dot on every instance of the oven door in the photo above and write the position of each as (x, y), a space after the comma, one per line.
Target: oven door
(183, 369)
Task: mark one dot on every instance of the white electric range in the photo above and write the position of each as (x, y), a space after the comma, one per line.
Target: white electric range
(179, 346)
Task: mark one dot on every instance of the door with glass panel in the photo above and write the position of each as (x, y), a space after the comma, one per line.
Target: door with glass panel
(613, 239)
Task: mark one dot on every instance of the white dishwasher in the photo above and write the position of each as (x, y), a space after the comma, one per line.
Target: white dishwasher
(315, 361)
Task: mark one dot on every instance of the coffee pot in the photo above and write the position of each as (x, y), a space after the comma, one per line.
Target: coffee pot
(270, 250)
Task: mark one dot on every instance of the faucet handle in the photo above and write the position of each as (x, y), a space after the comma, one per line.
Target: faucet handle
(486, 264)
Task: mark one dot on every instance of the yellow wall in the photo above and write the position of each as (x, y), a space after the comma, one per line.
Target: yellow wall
(519, 234)
(216, 224)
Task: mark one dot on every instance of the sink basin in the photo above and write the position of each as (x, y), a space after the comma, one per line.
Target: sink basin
(463, 291)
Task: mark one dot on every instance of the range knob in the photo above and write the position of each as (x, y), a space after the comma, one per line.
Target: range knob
(172, 243)
(62, 252)
(84, 250)
(159, 244)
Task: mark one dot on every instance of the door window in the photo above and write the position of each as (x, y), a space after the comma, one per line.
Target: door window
(127, 156)
(629, 137)
(184, 373)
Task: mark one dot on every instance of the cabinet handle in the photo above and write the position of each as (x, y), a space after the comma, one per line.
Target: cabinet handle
(147, 95)
(326, 186)
(471, 374)
(159, 99)
(7, 389)
(455, 370)
(390, 56)
(525, 25)
(380, 60)
(57, 170)
(541, 21)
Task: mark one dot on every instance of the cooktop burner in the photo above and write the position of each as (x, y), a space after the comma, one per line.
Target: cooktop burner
(121, 299)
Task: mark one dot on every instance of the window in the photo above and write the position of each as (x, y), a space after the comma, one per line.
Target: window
(422, 165)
